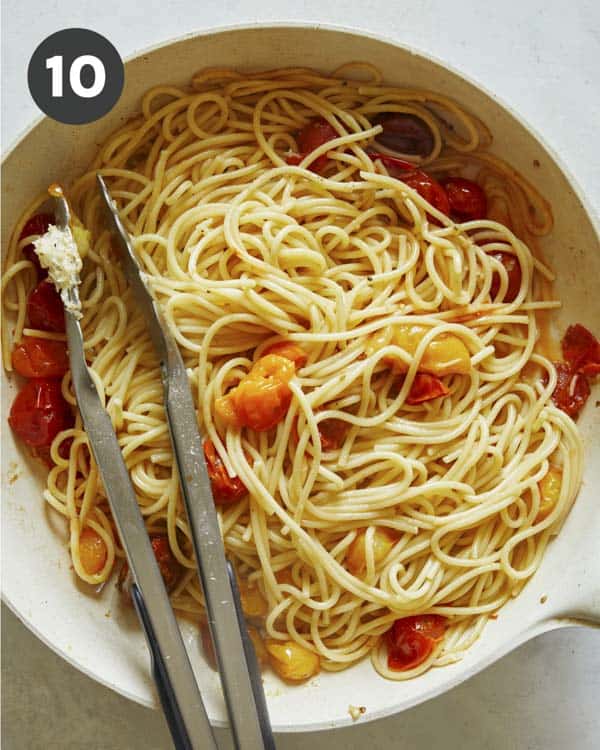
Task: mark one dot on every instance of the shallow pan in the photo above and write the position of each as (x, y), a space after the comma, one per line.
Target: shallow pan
(93, 632)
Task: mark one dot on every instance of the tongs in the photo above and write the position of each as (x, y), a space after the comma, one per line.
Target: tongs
(238, 668)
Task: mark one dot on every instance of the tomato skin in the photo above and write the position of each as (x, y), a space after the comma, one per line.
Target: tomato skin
(581, 350)
(425, 387)
(169, 567)
(38, 224)
(332, 433)
(290, 351)
(411, 640)
(467, 199)
(572, 390)
(45, 308)
(40, 358)
(513, 269)
(314, 134)
(39, 412)
(226, 490)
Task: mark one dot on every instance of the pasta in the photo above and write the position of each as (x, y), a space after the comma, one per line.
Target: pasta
(365, 502)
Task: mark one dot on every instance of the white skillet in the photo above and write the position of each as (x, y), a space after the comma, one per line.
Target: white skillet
(100, 637)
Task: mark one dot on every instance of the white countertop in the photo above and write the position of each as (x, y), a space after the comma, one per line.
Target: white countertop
(542, 58)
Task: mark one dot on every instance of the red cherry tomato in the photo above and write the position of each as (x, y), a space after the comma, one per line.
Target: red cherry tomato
(427, 187)
(513, 269)
(572, 390)
(38, 224)
(426, 387)
(467, 199)
(313, 134)
(45, 308)
(581, 349)
(39, 412)
(412, 639)
(40, 358)
(225, 489)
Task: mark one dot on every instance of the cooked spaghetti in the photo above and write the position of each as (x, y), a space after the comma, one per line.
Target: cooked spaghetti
(415, 463)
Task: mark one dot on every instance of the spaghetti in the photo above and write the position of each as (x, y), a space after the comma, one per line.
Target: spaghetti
(419, 466)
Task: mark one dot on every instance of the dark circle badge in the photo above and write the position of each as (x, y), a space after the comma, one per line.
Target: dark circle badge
(75, 76)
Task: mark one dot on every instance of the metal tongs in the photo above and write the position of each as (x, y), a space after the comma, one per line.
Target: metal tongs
(238, 668)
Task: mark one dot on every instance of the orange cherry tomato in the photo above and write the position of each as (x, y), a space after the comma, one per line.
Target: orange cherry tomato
(39, 412)
(467, 199)
(45, 308)
(225, 489)
(92, 551)
(261, 399)
(425, 387)
(513, 269)
(411, 640)
(290, 351)
(260, 404)
(40, 358)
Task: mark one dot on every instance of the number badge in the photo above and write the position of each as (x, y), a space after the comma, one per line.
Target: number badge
(75, 76)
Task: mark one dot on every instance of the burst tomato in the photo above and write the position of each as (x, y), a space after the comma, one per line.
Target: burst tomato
(581, 349)
(311, 136)
(425, 387)
(513, 270)
(45, 308)
(412, 639)
(467, 199)
(40, 358)
(39, 412)
(572, 389)
(332, 433)
(290, 351)
(225, 489)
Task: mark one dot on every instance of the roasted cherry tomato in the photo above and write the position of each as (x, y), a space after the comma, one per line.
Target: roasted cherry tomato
(170, 568)
(45, 308)
(572, 389)
(92, 551)
(467, 199)
(225, 489)
(37, 225)
(427, 187)
(40, 358)
(289, 350)
(425, 387)
(405, 133)
(513, 269)
(412, 639)
(332, 433)
(581, 349)
(261, 399)
(313, 134)
(39, 412)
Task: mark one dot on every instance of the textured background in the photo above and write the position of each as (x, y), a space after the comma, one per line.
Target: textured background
(542, 58)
